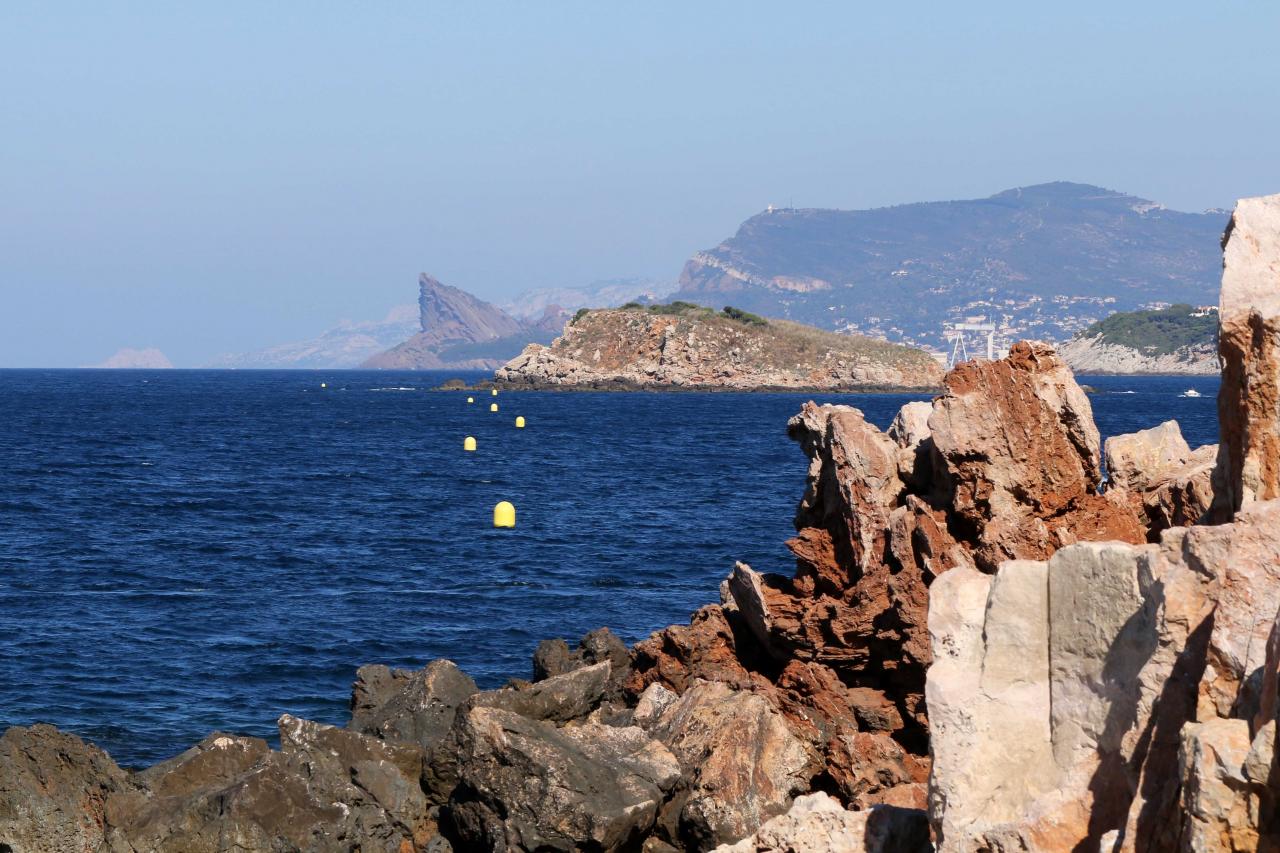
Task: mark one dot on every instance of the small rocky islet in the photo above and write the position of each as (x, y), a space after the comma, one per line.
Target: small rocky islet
(986, 645)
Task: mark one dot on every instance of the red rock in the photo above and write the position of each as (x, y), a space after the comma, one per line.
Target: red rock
(675, 656)
(1020, 459)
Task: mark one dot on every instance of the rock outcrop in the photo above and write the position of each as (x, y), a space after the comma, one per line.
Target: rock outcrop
(1166, 482)
(1062, 691)
(684, 346)
(1005, 464)
(1021, 458)
(56, 791)
(1249, 344)
(528, 785)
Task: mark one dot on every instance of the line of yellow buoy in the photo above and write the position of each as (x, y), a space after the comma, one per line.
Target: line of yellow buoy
(504, 513)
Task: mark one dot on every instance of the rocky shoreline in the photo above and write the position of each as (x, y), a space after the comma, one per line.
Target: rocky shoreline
(985, 646)
(622, 385)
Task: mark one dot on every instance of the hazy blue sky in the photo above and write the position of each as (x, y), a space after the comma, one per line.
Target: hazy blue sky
(217, 180)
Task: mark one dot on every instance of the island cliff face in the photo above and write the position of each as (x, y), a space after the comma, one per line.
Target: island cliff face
(686, 346)
(461, 331)
(984, 646)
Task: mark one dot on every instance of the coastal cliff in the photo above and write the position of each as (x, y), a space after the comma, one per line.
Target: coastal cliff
(687, 346)
(984, 645)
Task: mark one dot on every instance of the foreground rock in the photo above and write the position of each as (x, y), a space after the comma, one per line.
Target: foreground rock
(686, 346)
(1022, 459)
(55, 791)
(1005, 464)
(819, 824)
(1061, 688)
(527, 785)
(1249, 344)
(1166, 482)
(418, 707)
(731, 790)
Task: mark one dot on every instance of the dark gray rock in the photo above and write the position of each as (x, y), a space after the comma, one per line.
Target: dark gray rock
(416, 707)
(527, 785)
(328, 789)
(55, 791)
(559, 699)
(553, 657)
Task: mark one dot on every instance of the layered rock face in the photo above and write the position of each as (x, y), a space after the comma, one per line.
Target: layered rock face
(460, 330)
(1062, 690)
(1249, 344)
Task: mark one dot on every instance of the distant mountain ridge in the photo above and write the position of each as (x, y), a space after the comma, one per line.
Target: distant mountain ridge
(1041, 262)
(458, 330)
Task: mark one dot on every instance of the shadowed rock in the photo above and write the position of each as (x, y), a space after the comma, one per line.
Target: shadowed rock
(561, 698)
(527, 785)
(1167, 483)
(416, 707)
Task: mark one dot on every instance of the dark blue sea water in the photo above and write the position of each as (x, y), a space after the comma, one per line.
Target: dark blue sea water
(188, 550)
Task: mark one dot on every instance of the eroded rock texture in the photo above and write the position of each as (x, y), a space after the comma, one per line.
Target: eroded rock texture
(1065, 692)
(1021, 457)
(1005, 464)
(1166, 482)
(1249, 345)
(817, 823)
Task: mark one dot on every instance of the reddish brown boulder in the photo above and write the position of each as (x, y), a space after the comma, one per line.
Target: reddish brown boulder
(678, 654)
(1020, 459)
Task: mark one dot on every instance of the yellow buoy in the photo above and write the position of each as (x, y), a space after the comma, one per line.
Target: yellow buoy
(504, 515)
(519, 421)
(471, 399)
(493, 407)
(469, 443)
(494, 391)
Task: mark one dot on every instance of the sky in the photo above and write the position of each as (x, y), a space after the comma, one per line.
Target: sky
(218, 177)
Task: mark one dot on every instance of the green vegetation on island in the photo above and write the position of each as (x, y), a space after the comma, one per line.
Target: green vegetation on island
(1161, 332)
(680, 308)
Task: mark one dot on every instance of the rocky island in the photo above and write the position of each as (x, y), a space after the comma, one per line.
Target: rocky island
(687, 346)
(985, 645)
(1179, 339)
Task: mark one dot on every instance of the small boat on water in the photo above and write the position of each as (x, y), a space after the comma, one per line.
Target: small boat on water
(1191, 392)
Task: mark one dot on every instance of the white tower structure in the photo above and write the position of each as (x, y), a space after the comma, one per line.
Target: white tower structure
(960, 335)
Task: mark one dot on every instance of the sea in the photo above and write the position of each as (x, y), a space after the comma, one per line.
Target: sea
(190, 551)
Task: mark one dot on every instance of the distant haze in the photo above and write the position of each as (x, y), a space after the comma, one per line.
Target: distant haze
(233, 176)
